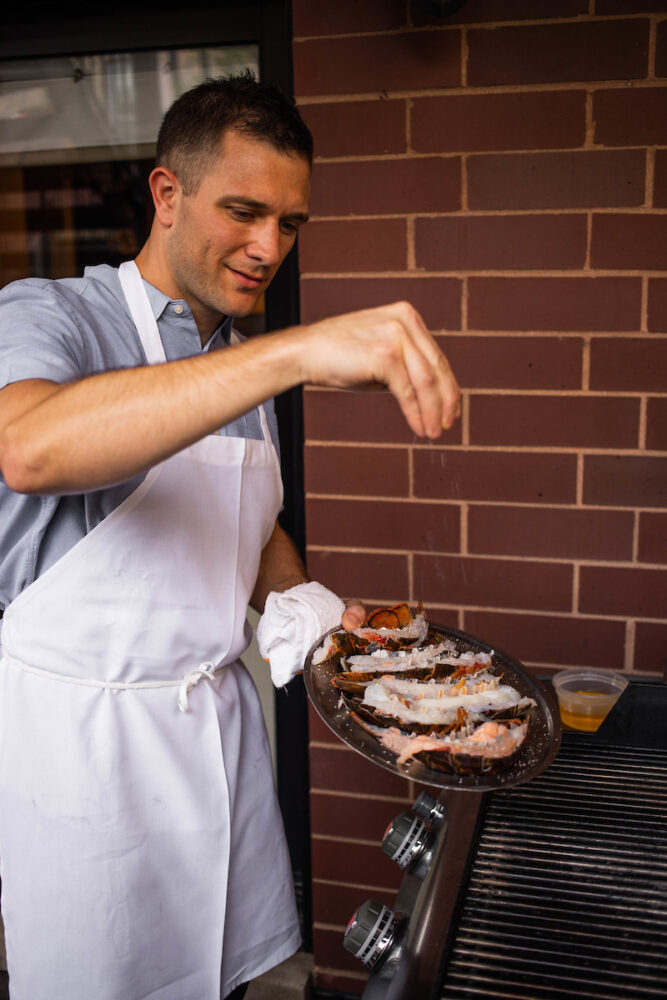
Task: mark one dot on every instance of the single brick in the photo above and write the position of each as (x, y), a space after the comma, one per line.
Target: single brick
(579, 179)
(473, 122)
(625, 481)
(634, 241)
(357, 128)
(488, 242)
(656, 424)
(445, 617)
(355, 416)
(657, 305)
(554, 421)
(629, 6)
(387, 187)
(354, 245)
(558, 304)
(365, 471)
(499, 583)
(369, 576)
(409, 60)
(660, 179)
(510, 477)
(661, 48)
(653, 539)
(559, 53)
(613, 590)
(481, 362)
(630, 117)
(638, 364)
(437, 299)
(650, 647)
(360, 819)
(552, 639)
(371, 524)
(343, 770)
(347, 16)
(499, 10)
(551, 532)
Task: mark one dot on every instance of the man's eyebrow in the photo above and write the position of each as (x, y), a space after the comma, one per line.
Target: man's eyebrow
(260, 206)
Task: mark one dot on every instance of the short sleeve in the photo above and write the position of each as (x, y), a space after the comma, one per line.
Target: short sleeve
(39, 335)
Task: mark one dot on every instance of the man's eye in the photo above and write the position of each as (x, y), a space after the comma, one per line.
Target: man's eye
(289, 228)
(242, 214)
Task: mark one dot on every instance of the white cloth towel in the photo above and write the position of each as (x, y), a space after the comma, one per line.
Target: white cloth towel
(292, 622)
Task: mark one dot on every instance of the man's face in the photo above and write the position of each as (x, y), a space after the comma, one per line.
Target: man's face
(229, 238)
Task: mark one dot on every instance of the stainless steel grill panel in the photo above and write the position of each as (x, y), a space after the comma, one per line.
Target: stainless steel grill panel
(568, 889)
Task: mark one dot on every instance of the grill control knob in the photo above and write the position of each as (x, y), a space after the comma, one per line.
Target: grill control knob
(370, 932)
(429, 809)
(405, 838)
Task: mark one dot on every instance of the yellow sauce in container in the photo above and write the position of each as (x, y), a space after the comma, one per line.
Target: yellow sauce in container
(585, 697)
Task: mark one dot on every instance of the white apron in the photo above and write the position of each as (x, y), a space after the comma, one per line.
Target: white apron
(142, 850)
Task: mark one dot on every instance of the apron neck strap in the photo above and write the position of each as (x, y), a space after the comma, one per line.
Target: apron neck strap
(140, 309)
(141, 312)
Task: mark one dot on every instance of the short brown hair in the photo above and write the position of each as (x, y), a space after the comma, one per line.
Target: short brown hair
(193, 126)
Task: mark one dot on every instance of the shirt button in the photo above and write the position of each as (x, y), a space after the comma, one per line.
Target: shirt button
(178, 308)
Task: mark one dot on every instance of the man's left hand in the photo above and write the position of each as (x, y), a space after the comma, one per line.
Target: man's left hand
(354, 615)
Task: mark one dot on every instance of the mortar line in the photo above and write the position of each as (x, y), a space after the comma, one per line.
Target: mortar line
(410, 232)
(643, 308)
(650, 178)
(579, 489)
(630, 637)
(643, 422)
(586, 364)
(464, 528)
(635, 537)
(589, 127)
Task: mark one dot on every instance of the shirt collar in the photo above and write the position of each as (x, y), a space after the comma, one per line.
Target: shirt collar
(159, 302)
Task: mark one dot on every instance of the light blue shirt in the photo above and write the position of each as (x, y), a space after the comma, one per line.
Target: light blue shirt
(64, 330)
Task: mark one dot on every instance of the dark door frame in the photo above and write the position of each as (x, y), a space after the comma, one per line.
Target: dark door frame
(39, 28)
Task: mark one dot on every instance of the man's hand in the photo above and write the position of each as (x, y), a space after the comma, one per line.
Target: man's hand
(354, 615)
(387, 346)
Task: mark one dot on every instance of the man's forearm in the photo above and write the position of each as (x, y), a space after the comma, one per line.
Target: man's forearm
(107, 428)
(281, 567)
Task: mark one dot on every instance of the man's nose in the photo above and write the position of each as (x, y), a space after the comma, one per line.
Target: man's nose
(265, 243)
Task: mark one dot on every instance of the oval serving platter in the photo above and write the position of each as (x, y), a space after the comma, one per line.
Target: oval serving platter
(539, 748)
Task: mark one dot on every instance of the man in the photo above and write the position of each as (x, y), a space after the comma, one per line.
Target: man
(141, 846)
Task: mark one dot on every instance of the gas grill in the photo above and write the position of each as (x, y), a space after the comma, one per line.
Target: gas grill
(552, 889)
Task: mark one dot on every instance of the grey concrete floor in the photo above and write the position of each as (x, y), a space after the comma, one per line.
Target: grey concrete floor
(289, 981)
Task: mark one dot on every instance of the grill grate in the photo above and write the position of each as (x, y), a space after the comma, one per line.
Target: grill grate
(568, 889)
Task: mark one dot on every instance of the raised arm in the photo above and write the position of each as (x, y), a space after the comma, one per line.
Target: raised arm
(107, 428)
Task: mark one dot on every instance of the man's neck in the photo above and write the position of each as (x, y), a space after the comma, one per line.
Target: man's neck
(153, 269)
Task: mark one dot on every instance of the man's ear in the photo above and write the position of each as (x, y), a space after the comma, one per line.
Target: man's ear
(166, 191)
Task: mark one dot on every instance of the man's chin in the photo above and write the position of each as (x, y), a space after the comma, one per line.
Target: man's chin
(240, 309)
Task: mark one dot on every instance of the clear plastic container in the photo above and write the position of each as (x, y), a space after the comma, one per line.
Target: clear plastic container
(585, 697)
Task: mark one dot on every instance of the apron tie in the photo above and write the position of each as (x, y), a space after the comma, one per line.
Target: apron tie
(204, 670)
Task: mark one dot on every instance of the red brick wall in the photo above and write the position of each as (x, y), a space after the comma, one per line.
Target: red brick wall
(504, 169)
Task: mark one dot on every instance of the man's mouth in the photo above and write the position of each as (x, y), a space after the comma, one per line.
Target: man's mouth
(246, 280)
